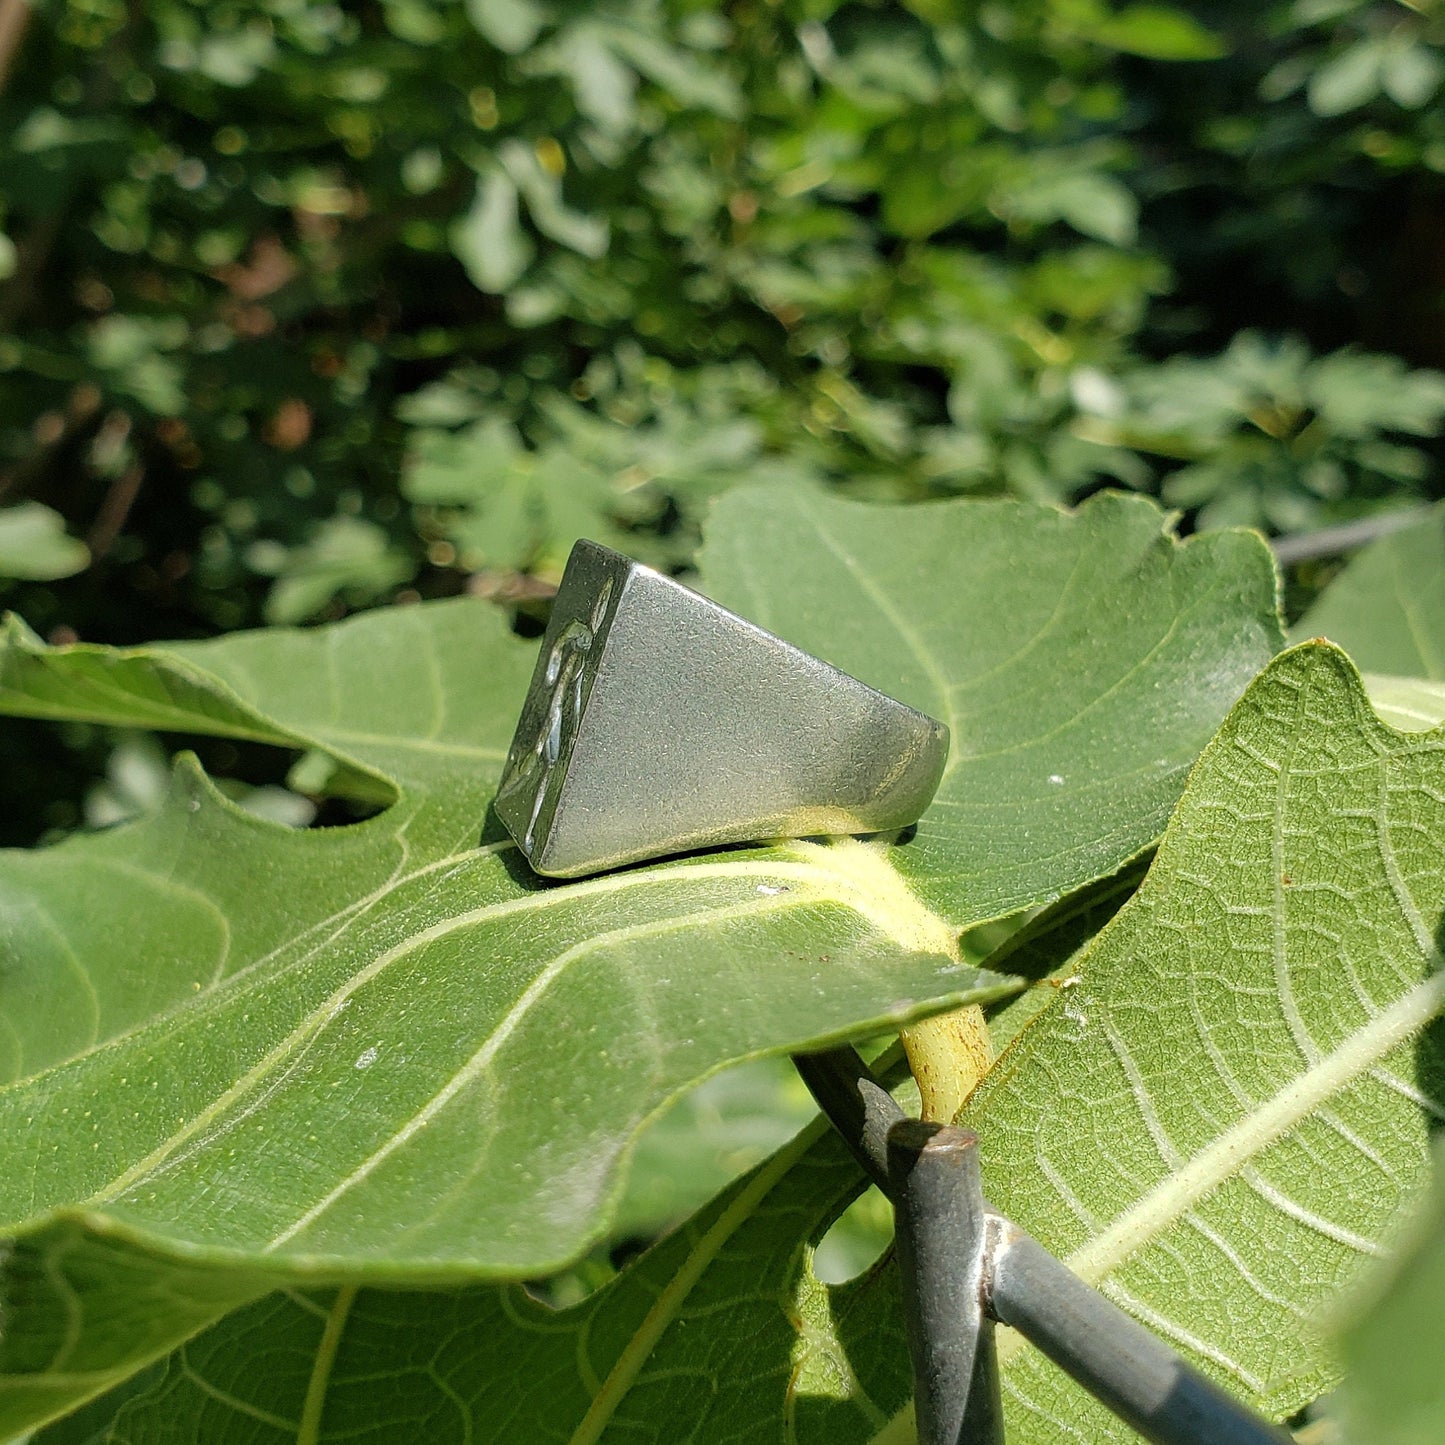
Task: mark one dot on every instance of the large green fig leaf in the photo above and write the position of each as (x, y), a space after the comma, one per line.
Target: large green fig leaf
(1216, 1119)
(387, 1052)
(1079, 673)
(387, 1045)
(1220, 1119)
(720, 1332)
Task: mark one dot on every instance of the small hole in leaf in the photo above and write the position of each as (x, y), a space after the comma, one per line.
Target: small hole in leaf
(857, 1241)
(283, 786)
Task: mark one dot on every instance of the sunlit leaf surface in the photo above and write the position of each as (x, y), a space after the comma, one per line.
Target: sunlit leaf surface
(1079, 673)
(1217, 1123)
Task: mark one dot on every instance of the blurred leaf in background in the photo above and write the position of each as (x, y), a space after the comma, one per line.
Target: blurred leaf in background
(305, 308)
(1275, 438)
(344, 556)
(1394, 1392)
(34, 545)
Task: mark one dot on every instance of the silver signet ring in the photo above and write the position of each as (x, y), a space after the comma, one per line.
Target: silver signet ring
(658, 722)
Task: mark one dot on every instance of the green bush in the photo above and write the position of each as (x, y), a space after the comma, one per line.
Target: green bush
(307, 304)
(306, 308)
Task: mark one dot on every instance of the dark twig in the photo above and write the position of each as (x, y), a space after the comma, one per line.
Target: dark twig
(14, 21)
(119, 499)
(35, 247)
(941, 1239)
(858, 1106)
(1115, 1358)
(32, 252)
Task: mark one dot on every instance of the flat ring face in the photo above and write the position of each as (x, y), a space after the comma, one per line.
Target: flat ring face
(658, 722)
(541, 751)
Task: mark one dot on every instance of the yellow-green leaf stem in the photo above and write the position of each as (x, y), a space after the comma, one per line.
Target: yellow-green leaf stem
(948, 1054)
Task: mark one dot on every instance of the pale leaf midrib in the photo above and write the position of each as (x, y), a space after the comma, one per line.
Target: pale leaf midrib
(1228, 1154)
(862, 880)
(309, 1430)
(220, 994)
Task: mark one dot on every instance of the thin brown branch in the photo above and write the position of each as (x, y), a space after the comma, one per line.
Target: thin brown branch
(119, 499)
(14, 20)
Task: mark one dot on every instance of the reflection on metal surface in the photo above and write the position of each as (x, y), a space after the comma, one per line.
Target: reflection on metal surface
(531, 770)
(659, 722)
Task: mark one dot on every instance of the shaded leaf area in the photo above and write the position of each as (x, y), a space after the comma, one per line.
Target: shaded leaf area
(1412, 704)
(1387, 610)
(86, 1304)
(1048, 949)
(1393, 1340)
(727, 1124)
(1281, 956)
(1079, 676)
(720, 1332)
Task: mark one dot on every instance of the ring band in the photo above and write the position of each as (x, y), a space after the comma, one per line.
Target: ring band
(658, 722)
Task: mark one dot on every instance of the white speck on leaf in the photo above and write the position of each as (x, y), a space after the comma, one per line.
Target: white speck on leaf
(1075, 1013)
(367, 1059)
(1056, 778)
(772, 890)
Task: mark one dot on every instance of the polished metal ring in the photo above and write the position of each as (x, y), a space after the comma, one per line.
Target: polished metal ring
(658, 722)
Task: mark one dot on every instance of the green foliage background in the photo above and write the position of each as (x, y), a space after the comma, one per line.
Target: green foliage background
(308, 307)
(308, 303)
